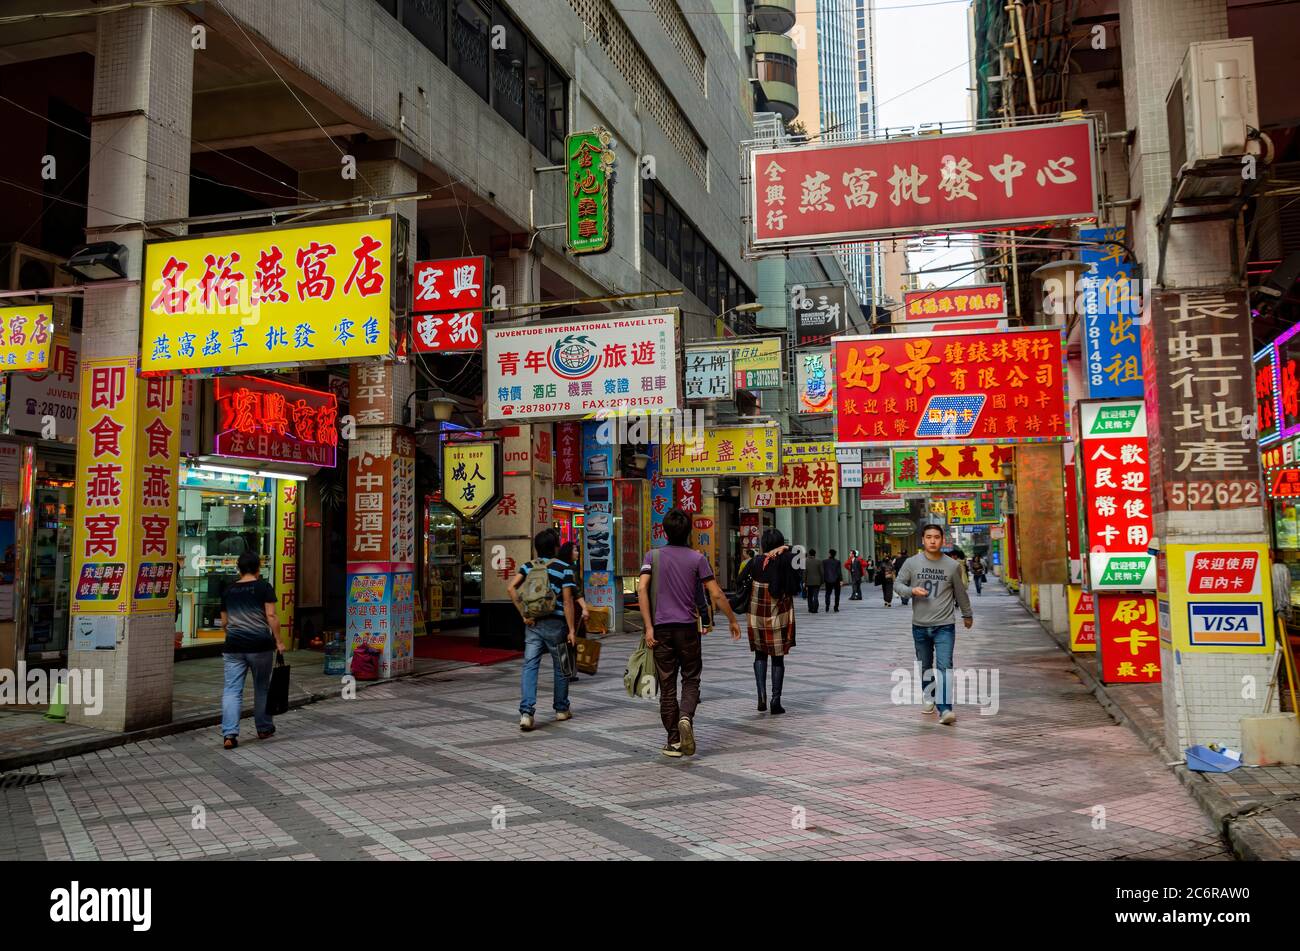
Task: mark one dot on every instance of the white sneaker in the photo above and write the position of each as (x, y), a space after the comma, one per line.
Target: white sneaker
(927, 707)
(948, 719)
(525, 722)
(564, 715)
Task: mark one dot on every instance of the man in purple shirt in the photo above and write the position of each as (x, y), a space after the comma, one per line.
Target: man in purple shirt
(672, 627)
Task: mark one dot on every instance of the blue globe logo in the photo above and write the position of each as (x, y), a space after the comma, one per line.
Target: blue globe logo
(574, 356)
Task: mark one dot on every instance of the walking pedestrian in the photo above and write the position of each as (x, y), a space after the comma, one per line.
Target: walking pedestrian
(833, 576)
(855, 567)
(977, 574)
(885, 578)
(547, 606)
(812, 580)
(568, 555)
(666, 592)
(935, 581)
(248, 615)
(903, 595)
(771, 615)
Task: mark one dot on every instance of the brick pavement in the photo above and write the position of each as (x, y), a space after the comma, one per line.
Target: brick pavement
(435, 767)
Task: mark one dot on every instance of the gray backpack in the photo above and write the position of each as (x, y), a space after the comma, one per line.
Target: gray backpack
(536, 594)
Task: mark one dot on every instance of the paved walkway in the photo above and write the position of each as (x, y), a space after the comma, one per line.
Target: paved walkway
(435, 767)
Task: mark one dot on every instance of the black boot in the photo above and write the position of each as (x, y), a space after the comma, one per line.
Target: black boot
(760, 677)
(778, 678)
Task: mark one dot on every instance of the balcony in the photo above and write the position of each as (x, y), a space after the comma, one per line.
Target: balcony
(782, 98)
(773, 16)
(777, 70)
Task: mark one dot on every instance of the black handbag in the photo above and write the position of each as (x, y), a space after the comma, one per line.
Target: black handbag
(568, 660)
(277, 698)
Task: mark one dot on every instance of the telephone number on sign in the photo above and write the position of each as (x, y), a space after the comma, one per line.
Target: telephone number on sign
(57, 410)
(530, 409)
(1212, 495)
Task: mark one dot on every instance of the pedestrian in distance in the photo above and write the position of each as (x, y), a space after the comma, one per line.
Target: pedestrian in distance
(771, 615)
(812, 579)
(935, 581)
(547, 605)
(855, 567)
(568, 555)
(248, 615)
(977, 574)
(833, 577)
(666, 593)
(885, 578)
(903, 595)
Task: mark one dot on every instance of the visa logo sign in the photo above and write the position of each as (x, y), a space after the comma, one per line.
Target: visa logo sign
(1225, 624)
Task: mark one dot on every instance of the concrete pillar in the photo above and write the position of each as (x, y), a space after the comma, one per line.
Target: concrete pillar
(1203, 691)
(144, 70)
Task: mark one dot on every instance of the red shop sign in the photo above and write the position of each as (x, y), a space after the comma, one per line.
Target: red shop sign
(568, 453)
(1005, 386)
(275, 422)
(1128, 637)
(450, 284)
(448, 333)
(820, 194)
(690, 496)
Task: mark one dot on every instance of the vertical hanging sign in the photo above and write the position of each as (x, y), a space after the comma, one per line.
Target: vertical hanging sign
(286, 556)
(157, 454)
(589, 172)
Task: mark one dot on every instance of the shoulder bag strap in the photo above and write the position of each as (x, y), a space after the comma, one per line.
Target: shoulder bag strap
(654, 581)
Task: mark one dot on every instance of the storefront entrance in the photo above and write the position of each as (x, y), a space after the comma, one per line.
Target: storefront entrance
(49, 582)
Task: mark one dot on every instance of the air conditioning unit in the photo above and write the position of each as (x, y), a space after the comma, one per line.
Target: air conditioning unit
(1212, 106)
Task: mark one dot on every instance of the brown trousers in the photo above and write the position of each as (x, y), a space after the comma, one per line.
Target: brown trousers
(677, 647)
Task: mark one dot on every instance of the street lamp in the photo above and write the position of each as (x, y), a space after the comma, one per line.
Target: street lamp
(103, 261)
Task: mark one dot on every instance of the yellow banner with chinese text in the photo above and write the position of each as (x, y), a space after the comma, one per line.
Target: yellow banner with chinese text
(724, 450)
(803, 481)
(157, 430)
(25, 335)
(960, 463)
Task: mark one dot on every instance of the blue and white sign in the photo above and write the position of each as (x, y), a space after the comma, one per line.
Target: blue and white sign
(1112, 305)
(1226, 624)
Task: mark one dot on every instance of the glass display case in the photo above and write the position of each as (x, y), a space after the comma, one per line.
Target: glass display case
(50, 586)
(471, 560)
(216, 526)
(442, 559)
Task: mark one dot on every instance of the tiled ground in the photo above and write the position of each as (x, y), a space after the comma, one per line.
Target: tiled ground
(435, 768)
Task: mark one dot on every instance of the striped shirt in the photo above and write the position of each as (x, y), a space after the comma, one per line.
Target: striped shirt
(561, 577)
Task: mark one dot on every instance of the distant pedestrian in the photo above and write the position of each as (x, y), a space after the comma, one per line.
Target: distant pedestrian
(812, 579)
(771, 615)
(898, 566)
(935, 582)
(977, 573)
(666, 592)
(547, 606)
(248, 615)
(855, 567)
(568, 555)
(833, 577)
(885, 578)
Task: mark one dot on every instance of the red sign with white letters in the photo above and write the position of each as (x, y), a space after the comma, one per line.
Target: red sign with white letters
(275, 422)
(1115, 473)
(568, 453)
(991, 386)
(449, 284)
(823, 194)
(1223, 572)
(689, 496)
(448, 332)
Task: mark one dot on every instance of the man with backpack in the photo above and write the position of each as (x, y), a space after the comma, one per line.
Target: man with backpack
(543, 593)
(667, 595)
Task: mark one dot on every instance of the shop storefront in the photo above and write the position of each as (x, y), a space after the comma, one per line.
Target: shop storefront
(453, 560)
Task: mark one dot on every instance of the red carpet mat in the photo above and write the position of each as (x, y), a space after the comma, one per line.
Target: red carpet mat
(465, 649)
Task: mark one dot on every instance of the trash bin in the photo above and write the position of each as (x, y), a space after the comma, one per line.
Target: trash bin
(336, 658)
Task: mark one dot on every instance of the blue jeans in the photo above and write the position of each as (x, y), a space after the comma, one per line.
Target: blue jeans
(232, 697)
(934, 644)
(545, 635)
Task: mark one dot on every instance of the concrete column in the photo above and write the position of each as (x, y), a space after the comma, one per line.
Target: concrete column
(144, 70)
(1202, 691)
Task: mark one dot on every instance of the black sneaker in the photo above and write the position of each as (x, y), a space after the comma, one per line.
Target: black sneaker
(672, 749)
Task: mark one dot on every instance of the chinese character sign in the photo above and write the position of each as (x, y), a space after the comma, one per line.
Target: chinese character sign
(450, 284)
(567, 369)
(106, 456)
(1114, 468)
(905, 474)
(820, 313)
(757, 364)
(631, 504)
(26, 334)
(1128, 637)
(276, 422)
(469, 477)
(286, 555)
(447, 332)
(319, 292)
(403, 498)
(1083, 623)
(850, 475)
(662, 493)
(568, 453)
(804, 480)
(822, 194)
(33, 396)
(943, 308)
(688, 495)
(370, 507)
(944, 464)
(1200, 387)
(1267, 390)
(708, 374)
(1287, 348)
(589, 172)
(816, 381)
(1219, 598)
(1112, 308)
(876, 483)
(153, 518)
(724, 450)
(980, 387)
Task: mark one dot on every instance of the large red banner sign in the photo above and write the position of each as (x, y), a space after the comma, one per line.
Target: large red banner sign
(992, 386)
(1128, 637)
(819, 194)
(275, 422)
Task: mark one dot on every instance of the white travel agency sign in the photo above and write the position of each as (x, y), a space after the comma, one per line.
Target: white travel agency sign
(577, 368)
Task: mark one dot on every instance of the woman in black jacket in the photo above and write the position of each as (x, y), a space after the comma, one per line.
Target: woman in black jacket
(771, 614)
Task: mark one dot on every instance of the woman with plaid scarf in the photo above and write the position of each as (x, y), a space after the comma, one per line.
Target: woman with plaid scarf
(771, 614)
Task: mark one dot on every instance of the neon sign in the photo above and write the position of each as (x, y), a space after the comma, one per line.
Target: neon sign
(275, 422)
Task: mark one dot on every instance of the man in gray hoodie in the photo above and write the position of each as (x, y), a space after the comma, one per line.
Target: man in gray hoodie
(935, 583)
